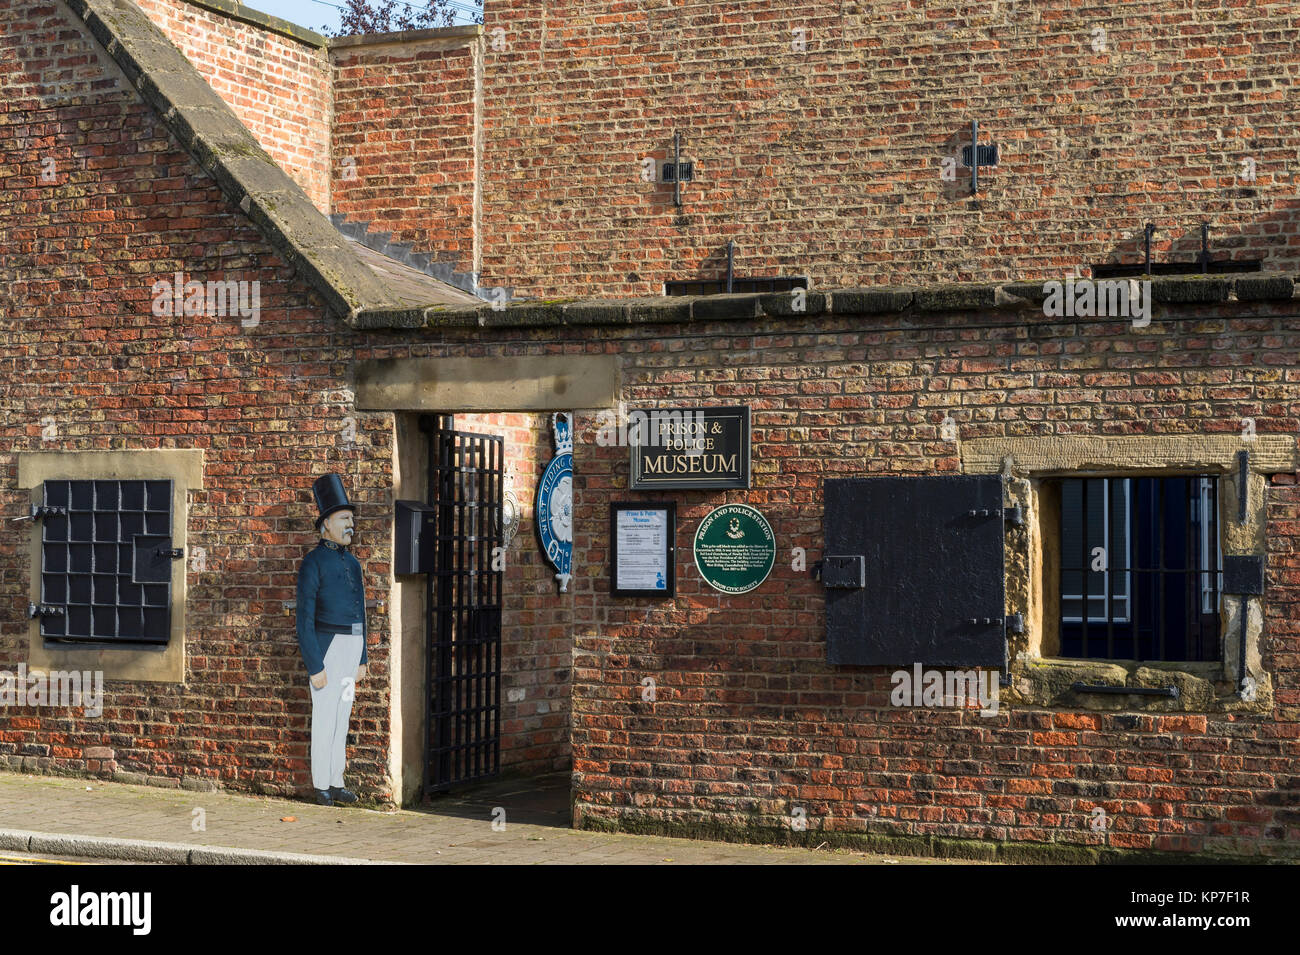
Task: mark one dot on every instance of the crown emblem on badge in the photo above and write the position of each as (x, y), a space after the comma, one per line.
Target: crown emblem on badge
(562, 425)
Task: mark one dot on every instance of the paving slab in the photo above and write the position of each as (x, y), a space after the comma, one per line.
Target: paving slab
(170, 824)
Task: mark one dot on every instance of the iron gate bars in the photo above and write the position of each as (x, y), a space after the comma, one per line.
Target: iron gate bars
(1140, 568)
(463, 627)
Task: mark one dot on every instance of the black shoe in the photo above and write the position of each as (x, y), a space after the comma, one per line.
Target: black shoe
(323, 798)
(345, 796)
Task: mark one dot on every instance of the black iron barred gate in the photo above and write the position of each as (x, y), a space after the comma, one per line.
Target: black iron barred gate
(463, 698)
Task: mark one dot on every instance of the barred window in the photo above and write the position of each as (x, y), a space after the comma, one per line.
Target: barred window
(106, 562)
(1141, 568)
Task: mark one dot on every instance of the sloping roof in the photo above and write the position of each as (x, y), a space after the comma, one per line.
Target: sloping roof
(364, 287)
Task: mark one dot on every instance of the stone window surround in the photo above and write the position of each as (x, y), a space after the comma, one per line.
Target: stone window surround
(182, 466)
(1037, 678)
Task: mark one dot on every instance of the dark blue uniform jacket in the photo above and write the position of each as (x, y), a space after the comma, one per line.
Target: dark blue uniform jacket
(331, 598)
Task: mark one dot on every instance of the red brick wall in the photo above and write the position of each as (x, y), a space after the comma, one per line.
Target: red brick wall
(404, 143)
(266, 404)
(278, 86)
(825, 161)
(749, 720)
(828, 162)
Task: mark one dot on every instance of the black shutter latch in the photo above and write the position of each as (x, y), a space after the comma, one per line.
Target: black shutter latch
(844, 572)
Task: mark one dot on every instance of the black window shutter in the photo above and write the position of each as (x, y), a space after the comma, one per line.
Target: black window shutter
(106, 562)
(914, 572)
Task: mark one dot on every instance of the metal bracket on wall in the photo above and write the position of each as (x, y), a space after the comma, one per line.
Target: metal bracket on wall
(677, 165)
(1169, 691)
(975, 155)
(1243, 575)
(1243, 484)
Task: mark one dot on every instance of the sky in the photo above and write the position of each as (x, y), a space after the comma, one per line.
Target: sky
(315, 14)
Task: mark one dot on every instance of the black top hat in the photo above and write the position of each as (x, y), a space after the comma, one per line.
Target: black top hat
(330, 496)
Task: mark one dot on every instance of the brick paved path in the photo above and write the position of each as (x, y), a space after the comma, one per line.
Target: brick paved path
(453, 831)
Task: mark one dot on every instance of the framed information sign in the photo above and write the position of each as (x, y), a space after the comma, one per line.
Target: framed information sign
(642, 549)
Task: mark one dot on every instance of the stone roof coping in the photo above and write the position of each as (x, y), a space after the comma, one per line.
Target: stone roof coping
(873, 300)
(237, 11)
(223, 146)
(468, 32)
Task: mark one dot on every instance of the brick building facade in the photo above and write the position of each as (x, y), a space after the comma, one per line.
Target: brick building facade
(507, 163)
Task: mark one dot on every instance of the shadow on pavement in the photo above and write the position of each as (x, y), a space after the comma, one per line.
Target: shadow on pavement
(527, 800)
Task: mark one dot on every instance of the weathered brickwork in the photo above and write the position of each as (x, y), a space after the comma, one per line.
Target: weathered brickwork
(278, 86)
(820, 139)
(271, 406)
(826, 160)
(405, 144)
(749, 723)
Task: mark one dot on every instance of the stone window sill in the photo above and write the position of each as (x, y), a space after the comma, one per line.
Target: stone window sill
(1202, 687)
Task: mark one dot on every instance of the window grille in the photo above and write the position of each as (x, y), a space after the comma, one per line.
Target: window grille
(1141, 568)
(106, 562)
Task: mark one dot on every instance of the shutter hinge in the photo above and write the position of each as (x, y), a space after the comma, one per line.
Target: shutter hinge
(41, 511)
(1016, 623)
(44, 610)
(171, 553)
(1015, 513)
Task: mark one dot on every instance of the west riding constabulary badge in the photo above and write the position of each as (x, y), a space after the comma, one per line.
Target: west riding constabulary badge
(555, 502)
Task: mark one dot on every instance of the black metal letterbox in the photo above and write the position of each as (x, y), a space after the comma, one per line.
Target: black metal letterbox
(413, 538)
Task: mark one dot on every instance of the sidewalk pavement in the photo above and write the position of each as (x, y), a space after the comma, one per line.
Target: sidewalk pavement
(243, 829)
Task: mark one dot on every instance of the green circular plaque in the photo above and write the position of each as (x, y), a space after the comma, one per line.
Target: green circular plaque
(735, 548)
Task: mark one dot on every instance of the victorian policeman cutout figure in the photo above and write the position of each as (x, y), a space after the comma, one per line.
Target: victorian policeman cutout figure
(331, 636)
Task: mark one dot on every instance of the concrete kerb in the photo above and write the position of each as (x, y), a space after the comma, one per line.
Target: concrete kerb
(171, 853)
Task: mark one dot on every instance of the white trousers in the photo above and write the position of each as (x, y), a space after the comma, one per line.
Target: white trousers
(331, 710)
